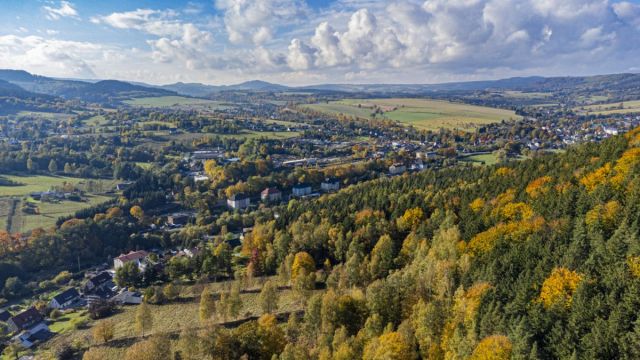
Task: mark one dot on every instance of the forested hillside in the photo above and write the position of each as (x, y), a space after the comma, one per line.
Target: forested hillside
(538, 259)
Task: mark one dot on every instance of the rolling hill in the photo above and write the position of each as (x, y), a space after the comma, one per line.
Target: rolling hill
(106, 91)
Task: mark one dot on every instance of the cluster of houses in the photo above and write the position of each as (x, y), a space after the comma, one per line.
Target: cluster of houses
(29, 327)
(55, 195)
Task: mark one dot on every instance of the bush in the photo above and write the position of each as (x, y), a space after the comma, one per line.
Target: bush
(55, 314)
(45, 285)
(62, 278)
(79, 323)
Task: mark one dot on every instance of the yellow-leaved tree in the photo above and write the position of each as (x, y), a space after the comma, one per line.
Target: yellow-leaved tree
(303, 264)
(538, 186)
(559, 287)
(411, 218)
(494, 347)
(389, 346)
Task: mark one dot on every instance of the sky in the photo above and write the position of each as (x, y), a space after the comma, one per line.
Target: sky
(300, 42)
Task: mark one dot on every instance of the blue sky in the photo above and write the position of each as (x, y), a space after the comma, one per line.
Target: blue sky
(312, 41)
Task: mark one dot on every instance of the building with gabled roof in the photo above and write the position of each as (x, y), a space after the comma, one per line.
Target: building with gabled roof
(133, 256)
(25, 320)
(65, 299)
(238, 201)
(271, 194)
(301, 190)
(4, 316)
(330, 184)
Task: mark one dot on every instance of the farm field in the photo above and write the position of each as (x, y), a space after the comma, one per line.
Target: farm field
(611, 108)
(421, 113)
(169, 101)
(43, 183)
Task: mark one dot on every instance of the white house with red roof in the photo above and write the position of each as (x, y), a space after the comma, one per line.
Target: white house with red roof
(134, 256)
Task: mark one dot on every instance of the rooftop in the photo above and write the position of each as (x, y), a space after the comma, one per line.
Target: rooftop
(134, 255)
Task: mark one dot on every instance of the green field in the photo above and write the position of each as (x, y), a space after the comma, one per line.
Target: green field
(488, 159)
(526, 95)
(98, 120)
(50, 212)
(169, 101)
(611, 108)
(420, 113)
(43, 183)
(44, 115)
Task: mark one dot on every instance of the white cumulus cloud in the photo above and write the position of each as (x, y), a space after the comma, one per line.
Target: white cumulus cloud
(65, 9)
(258, 20)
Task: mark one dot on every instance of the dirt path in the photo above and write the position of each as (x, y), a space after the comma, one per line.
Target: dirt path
(12, 217)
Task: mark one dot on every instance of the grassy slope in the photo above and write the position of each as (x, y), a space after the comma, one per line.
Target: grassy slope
(50, 212)
(168, 318)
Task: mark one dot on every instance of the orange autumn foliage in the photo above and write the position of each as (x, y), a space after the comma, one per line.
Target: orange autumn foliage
(596, 177)
(538, 186)
(505, 171)
(514, 231)
(627, 161)
(516, 211)
(559, 287)
(604, 215)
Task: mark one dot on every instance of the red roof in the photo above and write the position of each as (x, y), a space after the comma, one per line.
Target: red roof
(269, 191)
(134, 255)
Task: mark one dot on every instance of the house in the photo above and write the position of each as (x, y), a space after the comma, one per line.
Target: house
(4, 316)
(25, 320)
(38, 334)
(102, 281)
(178, 219)
(136, 257)
(200, 178)
(330, 184)
(128, 298)
(65, 299)
(301, 190)
(396, 169)
(271, 195)
(238, 201)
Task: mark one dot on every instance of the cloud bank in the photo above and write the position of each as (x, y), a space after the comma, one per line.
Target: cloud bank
(360, 40)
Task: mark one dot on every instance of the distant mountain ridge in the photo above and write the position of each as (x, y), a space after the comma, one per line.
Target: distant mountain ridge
(115, 91)
(201, 90)
(619, 82)
(105, 91)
